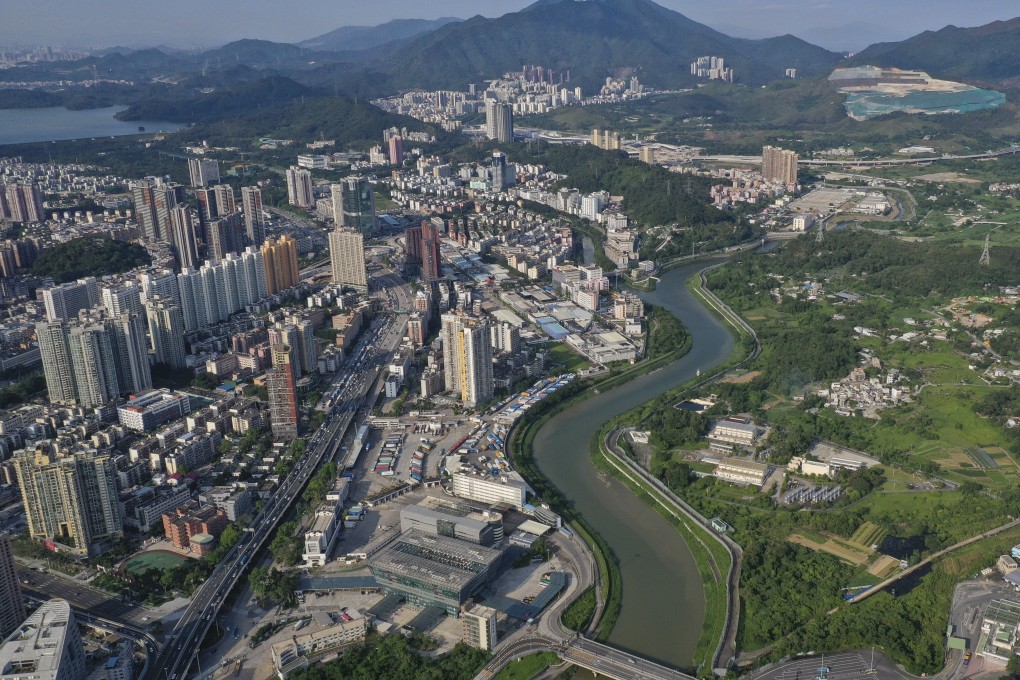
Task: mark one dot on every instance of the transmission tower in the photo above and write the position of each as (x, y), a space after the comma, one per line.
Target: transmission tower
(986, 256)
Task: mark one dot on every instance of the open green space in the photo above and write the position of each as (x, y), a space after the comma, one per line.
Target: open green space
(563, 355)
(527, 667)
(154, 559)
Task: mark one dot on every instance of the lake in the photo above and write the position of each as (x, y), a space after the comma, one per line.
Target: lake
(19, 126)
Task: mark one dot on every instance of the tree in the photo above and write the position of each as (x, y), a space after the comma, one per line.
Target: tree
(286, 547)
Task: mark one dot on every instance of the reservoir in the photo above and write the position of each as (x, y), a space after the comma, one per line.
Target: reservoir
(20, 126)
(663, 600)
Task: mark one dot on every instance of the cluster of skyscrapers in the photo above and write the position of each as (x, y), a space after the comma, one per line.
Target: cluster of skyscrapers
(164, 215)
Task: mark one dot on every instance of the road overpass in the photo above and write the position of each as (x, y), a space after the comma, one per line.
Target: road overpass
(877, 163)
(603, 660)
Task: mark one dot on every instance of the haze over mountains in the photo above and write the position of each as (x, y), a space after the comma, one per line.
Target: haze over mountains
(591, 39)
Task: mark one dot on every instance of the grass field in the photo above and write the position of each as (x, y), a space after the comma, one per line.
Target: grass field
(560, 353)
(868, 534)
(884, 566)
(154, 559)
(854, 554)
(527, 667)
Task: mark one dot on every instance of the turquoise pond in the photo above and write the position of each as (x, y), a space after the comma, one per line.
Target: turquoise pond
(864, 105)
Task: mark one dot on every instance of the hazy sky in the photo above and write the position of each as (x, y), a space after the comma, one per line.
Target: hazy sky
(838, 24)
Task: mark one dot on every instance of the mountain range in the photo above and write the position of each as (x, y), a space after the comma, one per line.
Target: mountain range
(590, 39)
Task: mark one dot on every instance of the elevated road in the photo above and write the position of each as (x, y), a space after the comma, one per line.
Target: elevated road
(350, 385)
(813, 163)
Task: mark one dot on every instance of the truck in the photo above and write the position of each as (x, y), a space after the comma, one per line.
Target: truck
(300, 624)
(966, 659)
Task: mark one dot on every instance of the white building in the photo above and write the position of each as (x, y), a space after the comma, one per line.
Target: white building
(490, 490)
(320, 539)
(479, 626)
(743, 472)
(47, 646)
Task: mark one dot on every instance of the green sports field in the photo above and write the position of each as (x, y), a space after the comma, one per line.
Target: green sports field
(154, 559)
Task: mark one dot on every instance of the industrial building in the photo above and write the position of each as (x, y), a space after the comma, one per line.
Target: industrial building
(744, 472)
(507, 488)
(434, 570)
(438, 517)
(729, 432)
(999, 627)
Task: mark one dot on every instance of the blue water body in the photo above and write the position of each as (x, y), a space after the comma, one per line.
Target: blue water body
(864, 105)
(20, 126)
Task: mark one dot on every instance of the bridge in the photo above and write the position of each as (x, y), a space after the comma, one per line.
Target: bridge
(600, 659)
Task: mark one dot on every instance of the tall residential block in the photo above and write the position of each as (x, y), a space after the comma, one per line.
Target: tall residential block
(299, 187)
(225, 234)
(70, 500)
(217, 290)
(422, 243)
(183, 237)
(154, 198)
(396, 150)
(203, 171)
(64, 302)
(354, 204)
(166, 332)
(499, 121)
(779, 165)
(281, 262)
(22, 203)
(347, 257)
(254, 217)
(46, 646)
(283, 403)
(467, 358)
(12, 604)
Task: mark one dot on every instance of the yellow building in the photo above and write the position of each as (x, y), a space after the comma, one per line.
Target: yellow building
(281, 262)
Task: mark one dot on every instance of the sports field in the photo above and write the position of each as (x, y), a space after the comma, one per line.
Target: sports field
(154, 559)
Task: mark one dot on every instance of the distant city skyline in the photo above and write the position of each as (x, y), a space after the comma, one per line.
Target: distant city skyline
(195, 23)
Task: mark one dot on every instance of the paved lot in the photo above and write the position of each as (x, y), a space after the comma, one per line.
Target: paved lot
(840, 667)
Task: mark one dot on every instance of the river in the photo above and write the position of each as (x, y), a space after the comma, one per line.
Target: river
(20, 126)
(663, 599)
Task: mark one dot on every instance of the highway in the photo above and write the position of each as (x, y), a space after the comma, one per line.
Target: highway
(809, 162)
(343, 400)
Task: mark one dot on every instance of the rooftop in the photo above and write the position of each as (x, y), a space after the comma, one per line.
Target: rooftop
(436, 560)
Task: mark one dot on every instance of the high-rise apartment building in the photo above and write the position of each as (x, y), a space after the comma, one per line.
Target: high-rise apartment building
(203, 171)
(70, 500)
(23, 203)
(347, 257)
(283, 405)
(92, 350)
(281, 262)
(214, 202)
(354, 204)
(166, 332)
(225, 235)
(46, 646)
(506, 337)
(499, 121)
(254, 217)
(12, 605)
(66, 301)
(422, 243)
(396, 150)
(154, 198)
(779, 165)
(183, 237)
(467, 358)
(217, 290)
(56, 361)
(299, 187)
(501, 172)
(124, 298)
(132, 352)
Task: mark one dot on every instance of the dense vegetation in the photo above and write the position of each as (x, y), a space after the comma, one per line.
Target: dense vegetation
(91, 256)
(230, 102)
(396, 657)
(23, 390)
(652, 195)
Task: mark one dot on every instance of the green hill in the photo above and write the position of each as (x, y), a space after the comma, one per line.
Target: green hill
(592, 39)
(984, 54)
